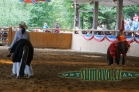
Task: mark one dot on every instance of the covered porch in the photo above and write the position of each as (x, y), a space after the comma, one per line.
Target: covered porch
(108, 3)
(79, 42)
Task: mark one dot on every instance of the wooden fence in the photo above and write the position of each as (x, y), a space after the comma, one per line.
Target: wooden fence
(46, 39)
(74, 41)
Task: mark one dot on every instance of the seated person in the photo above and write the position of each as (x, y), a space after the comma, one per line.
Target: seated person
(56, 27)
(45, 26)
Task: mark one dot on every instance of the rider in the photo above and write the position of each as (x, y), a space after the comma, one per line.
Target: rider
(120, 38)
(21, 36)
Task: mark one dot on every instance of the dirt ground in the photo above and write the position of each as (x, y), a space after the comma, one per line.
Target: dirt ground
(48, 63)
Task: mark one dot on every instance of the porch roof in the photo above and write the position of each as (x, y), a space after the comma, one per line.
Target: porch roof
(108, 3)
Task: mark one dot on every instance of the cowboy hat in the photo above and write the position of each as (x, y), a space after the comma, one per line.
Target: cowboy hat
(23, 24)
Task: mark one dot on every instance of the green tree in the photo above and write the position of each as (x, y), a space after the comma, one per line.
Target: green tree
(40, 13)
(12, 12)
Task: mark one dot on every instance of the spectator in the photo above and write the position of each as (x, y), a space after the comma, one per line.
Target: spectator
(135, 17)
(103, 28)
(56, 27)
(136, 25)
(127, 24)
(136, 34)
(45, 26)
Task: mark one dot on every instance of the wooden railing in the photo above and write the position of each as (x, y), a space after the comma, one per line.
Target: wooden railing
(105, 32)
(4, 36)
(46, 39)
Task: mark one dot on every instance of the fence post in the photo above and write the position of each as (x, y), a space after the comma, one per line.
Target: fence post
(10, 36)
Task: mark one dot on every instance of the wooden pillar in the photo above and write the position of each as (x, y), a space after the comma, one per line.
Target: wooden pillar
(95, 17)
(82, 23)
(119, 14)
(10, 36)
(79, 25)
(76, 14)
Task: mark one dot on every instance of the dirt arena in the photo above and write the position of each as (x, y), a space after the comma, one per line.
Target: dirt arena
(48, 63)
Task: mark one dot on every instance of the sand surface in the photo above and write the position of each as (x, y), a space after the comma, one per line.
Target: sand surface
(48, 63)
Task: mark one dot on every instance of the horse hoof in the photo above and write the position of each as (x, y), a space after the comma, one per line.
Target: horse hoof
(123, 65)
(110, 64)
(117, 65)
(29, 76)
(13, 74)
(17, 77)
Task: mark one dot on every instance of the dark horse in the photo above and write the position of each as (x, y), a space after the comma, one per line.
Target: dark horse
(115, 51)
(22, 52)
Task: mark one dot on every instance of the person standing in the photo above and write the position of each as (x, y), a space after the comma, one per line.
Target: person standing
(21, 39)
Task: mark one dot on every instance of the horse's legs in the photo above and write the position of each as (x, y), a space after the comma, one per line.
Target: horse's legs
(109, 57)
(110, 60)
(118, 59)
(123, 59)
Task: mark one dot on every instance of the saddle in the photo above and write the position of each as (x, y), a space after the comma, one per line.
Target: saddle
(112, 48)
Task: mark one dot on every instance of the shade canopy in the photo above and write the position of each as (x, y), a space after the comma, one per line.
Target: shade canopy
(34, 1)
(109, 3)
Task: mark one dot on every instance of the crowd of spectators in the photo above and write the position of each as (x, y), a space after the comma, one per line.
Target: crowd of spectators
(129, 25)
(132, 25)
(45, 28)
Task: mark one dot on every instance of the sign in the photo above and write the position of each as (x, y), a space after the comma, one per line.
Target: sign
(34, 1)
(100, 74)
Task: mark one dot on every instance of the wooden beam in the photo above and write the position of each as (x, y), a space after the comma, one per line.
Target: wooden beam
(95, 18)
(119, 14)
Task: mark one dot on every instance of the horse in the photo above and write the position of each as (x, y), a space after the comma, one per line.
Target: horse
(115, 50)
(22, 56)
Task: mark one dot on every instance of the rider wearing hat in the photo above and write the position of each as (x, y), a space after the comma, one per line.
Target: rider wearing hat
(121, 37)
(20, 34)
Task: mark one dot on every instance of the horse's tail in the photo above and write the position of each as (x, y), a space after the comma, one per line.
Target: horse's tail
(23, 61)
(108, 54)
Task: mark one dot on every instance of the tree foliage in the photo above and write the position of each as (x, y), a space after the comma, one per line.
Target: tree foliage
(14, 11)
